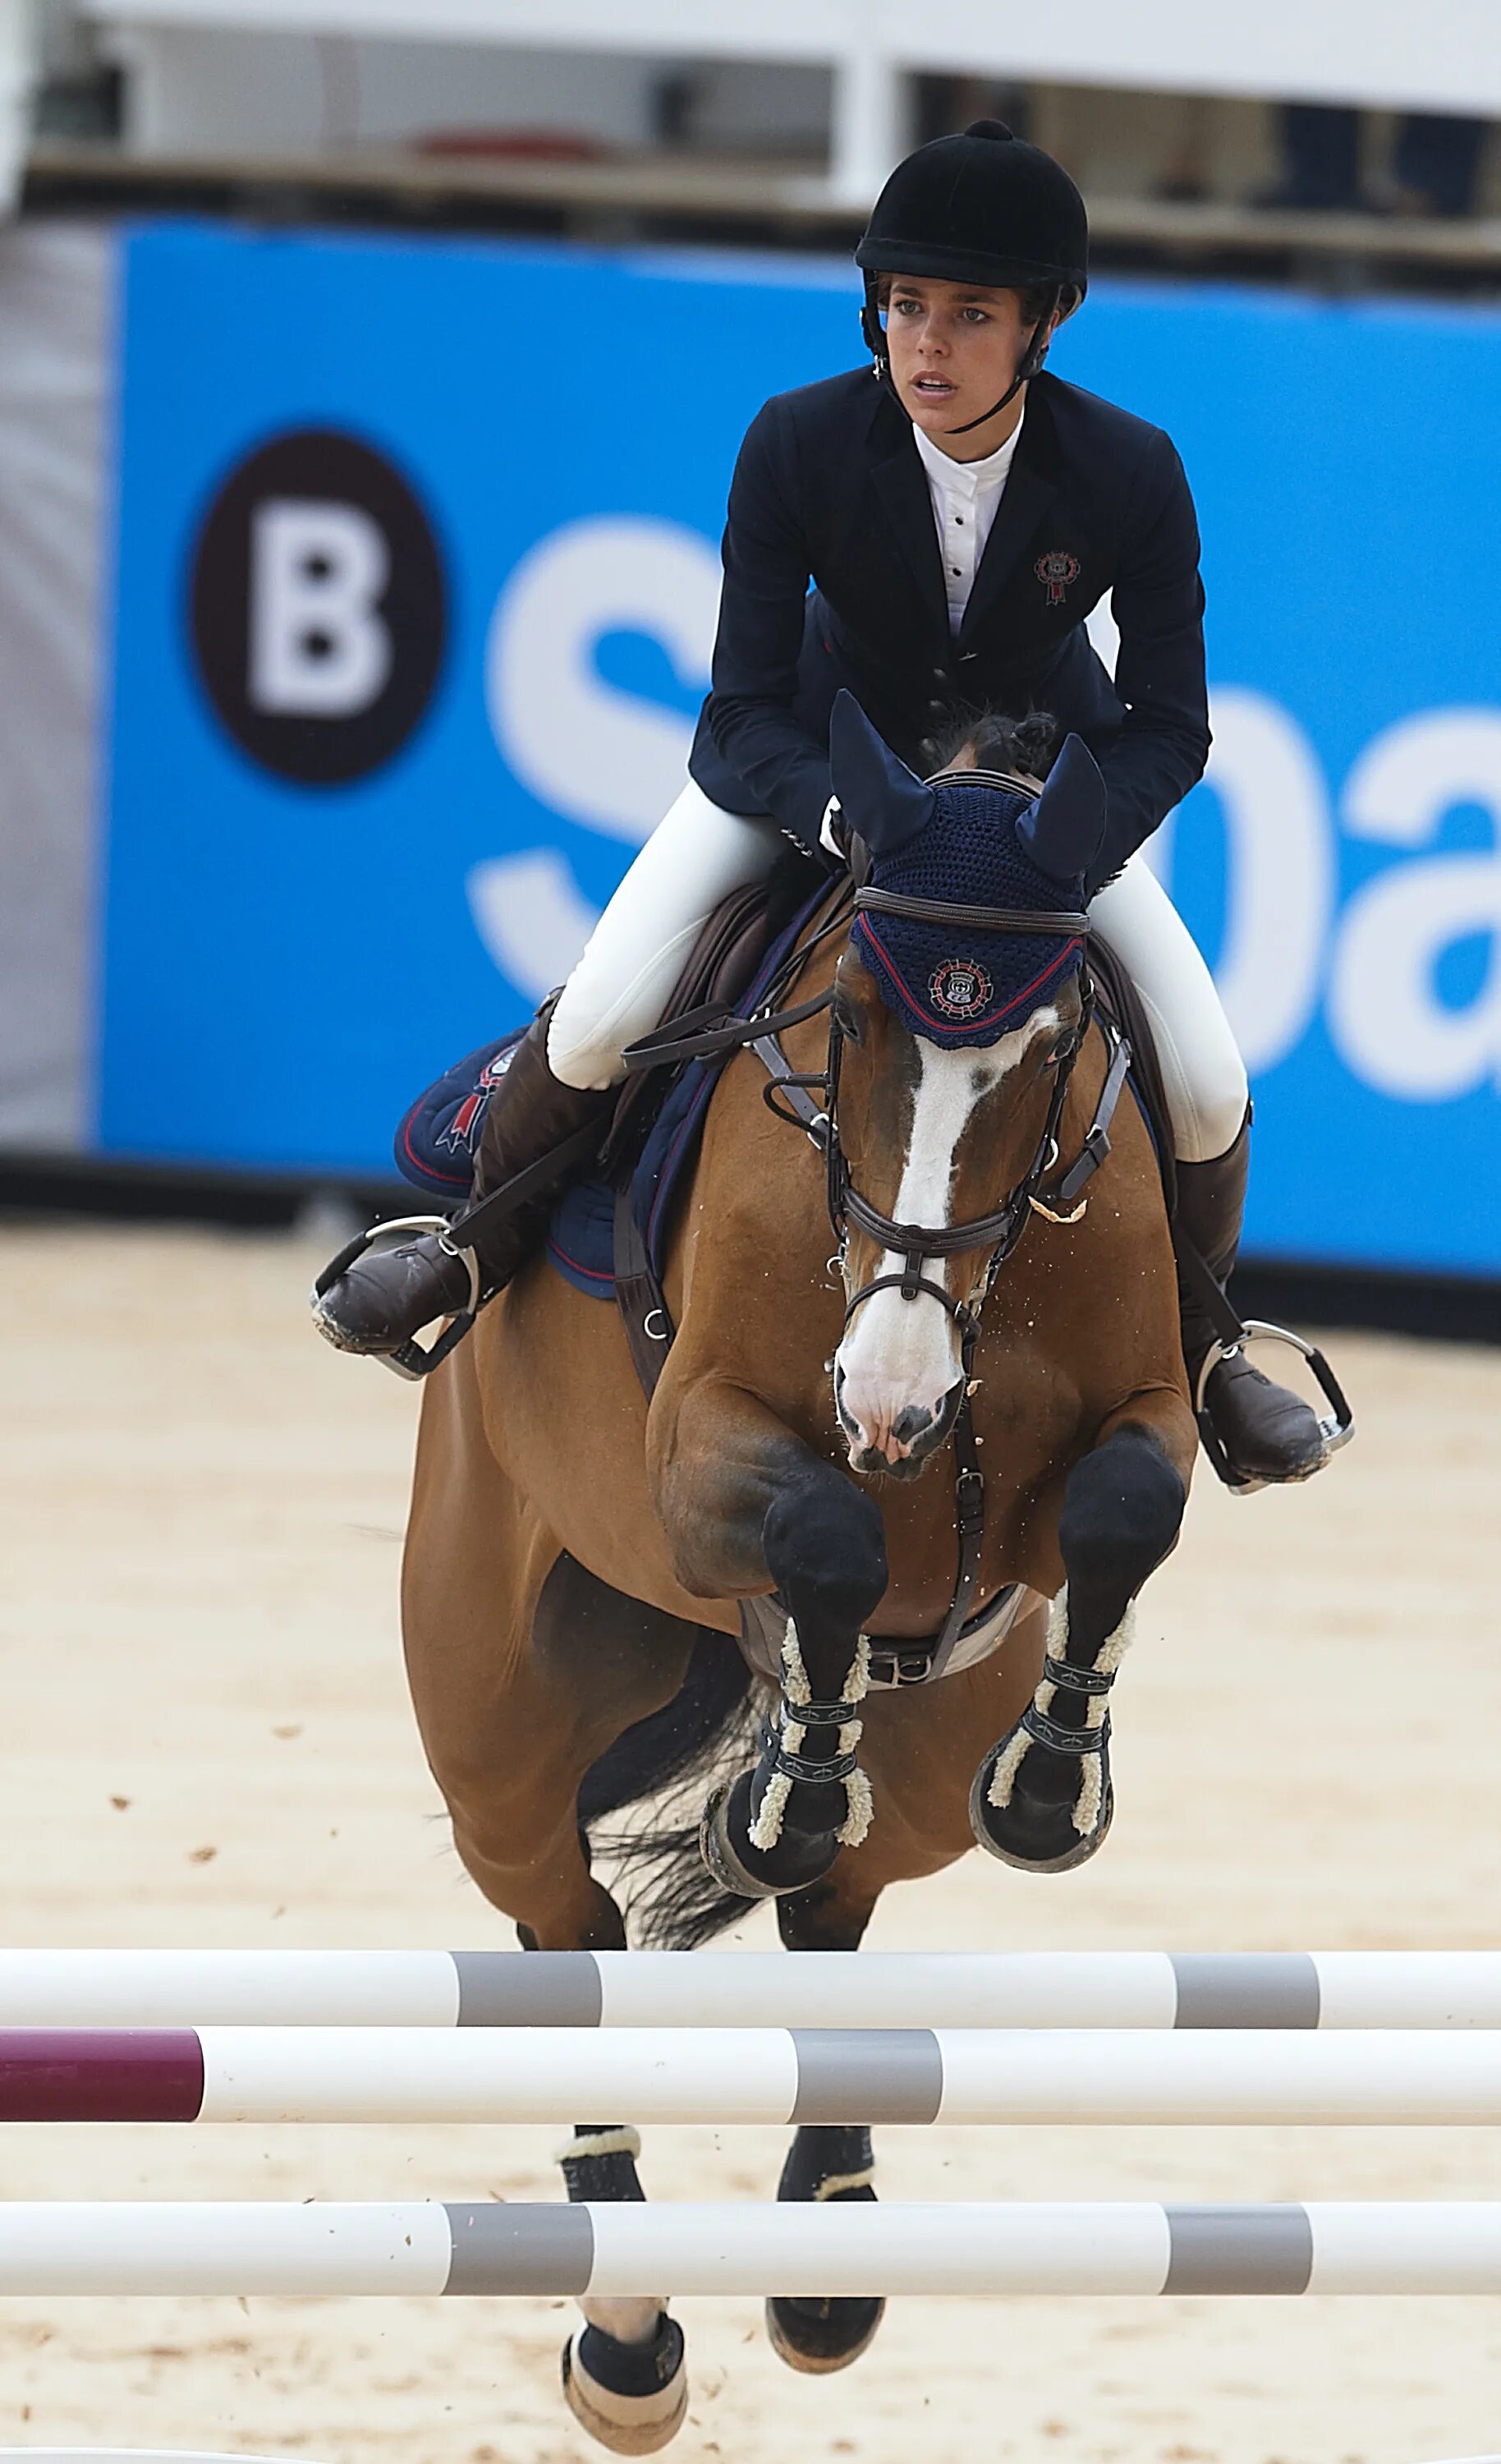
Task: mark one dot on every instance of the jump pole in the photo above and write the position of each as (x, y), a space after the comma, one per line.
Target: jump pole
(765, 2075)
(443, 1988)
(1088, 2248)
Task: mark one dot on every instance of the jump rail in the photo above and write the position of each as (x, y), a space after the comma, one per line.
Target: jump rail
(185, 2455)
(766, 2074)
(442, 1989)
(1088, 2248)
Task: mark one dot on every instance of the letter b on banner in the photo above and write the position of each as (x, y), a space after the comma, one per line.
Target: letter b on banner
(317, 608)
(319, 646)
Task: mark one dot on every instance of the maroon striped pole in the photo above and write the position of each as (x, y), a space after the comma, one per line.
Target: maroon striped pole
(100, 2075)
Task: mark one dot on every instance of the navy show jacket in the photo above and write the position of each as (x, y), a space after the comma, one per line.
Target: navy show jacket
(829, 487)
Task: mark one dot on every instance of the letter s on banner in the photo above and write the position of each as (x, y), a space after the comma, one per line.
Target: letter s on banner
(595, 754)
(1384, 1013)
(1281, 868)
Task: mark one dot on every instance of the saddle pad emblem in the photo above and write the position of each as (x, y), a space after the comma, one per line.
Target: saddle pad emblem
(1055, 571)
(960, 988)
(463, 1131)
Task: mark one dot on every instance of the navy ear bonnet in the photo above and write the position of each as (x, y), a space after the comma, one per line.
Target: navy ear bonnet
(969, 845)
(951, 985)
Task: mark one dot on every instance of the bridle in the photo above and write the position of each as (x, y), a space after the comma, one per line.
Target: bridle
(999, 1231)
(809, 1099)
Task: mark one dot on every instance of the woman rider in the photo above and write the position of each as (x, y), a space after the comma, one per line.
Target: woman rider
(959, 519)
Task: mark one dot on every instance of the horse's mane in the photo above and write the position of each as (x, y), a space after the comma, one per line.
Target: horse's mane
(993, 741)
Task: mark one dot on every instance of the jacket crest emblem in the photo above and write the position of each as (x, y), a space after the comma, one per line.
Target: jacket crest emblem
(1055, 570)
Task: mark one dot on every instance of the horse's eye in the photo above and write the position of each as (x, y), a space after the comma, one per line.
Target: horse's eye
(847, 1019)
(1063, 1049)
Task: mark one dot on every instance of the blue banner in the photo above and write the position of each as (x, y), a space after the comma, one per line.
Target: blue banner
(416, 577)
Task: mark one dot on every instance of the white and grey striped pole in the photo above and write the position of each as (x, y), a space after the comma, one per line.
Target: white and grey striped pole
(441, 1989)
(631, 2250)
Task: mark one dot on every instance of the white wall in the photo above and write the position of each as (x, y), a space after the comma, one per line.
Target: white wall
(1442, 55)
(1445, 55)
(224, 91)
(768, 108)
(20, 65)
(56, 284)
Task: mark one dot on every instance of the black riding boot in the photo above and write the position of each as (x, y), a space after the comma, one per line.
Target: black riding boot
(384, 1296)
(1268, 1434)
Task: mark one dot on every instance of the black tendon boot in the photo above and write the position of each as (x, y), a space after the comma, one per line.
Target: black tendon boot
(536, 1131)
(780, 1826)
(1267, 1433)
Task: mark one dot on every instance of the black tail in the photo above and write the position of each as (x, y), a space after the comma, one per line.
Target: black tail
(667, 1893)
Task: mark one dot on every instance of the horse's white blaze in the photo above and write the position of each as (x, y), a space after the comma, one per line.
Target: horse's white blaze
(900, 1354)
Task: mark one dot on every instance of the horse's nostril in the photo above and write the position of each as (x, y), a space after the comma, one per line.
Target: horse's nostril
(910, 1424)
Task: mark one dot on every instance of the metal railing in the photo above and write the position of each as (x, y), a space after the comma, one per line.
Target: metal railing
(684, 196)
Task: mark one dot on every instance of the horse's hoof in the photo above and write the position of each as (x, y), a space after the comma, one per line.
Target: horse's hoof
(1035, 1838)
(818, 2336)
(631, 2397)
(798, 1861)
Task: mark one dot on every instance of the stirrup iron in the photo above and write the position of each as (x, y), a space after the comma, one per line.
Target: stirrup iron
(1336, 1427)
(409, 1360)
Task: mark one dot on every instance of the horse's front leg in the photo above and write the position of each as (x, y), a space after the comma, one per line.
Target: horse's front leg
(623, 2372)
(827, 2160)
(1043, 1797)
(743, 1501)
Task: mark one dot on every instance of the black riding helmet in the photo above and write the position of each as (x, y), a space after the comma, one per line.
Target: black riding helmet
(982, 207)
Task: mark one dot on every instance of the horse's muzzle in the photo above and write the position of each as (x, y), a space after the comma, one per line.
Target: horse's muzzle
(900, 1448)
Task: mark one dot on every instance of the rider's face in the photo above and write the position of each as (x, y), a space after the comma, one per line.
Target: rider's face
(954, 348)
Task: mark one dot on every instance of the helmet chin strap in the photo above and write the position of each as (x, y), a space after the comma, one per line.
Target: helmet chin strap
(1027, 367)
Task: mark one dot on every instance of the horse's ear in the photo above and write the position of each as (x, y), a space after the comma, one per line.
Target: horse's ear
(1065, 829)
(881, 799)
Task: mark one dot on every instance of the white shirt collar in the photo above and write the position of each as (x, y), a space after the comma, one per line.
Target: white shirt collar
(986, 477)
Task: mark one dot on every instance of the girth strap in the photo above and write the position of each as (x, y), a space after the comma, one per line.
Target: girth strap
(639, 1297)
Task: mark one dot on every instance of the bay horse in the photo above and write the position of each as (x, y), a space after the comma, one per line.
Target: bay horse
(577, 1559)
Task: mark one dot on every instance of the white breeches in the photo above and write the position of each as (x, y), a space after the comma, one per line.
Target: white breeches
(694, 858)
(1203, 1076)
(699, 853)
